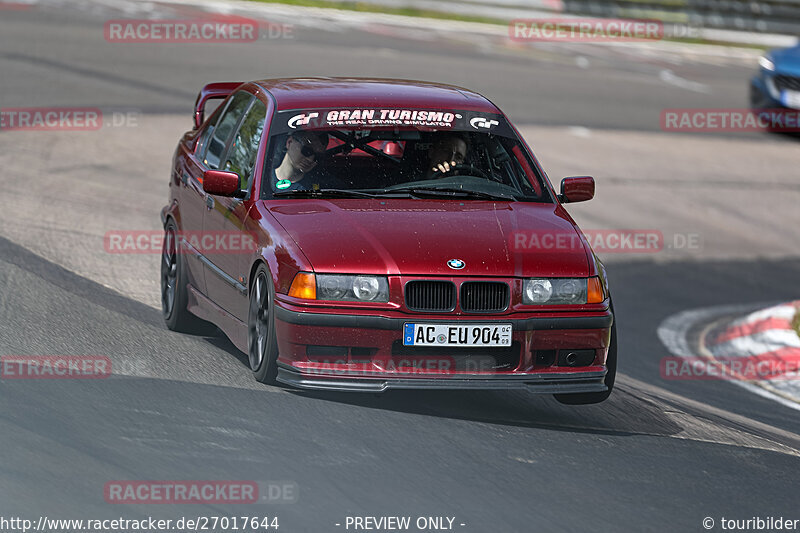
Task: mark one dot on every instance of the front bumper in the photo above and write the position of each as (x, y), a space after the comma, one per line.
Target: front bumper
(767, 93)
(763, 94)
(547, 383)
(366, 353)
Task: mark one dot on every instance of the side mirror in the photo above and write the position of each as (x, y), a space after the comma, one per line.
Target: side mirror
(576, 189)
(221, 182)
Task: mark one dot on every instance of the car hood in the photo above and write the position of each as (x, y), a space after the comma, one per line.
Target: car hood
(787, 60)
(419, 237)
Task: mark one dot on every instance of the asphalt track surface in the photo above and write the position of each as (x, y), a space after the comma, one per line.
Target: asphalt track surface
(659, 455)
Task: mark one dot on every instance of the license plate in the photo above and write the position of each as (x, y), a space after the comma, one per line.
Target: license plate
(463, 335)
(791, 99)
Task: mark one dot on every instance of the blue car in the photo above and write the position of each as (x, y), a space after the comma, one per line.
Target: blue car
(777, 84)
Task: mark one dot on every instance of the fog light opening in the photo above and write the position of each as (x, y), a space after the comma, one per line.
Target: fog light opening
(576, 358)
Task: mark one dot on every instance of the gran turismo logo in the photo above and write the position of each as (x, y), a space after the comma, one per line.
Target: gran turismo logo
(456, 264)
(480, 122)
(301, 120)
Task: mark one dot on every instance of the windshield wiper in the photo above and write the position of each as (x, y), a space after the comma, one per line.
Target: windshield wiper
(448, 192)
(321, 193)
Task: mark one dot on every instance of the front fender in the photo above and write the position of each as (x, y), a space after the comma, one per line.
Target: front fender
(171, 211)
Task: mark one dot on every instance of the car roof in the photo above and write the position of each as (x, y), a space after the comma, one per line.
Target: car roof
(309, 93)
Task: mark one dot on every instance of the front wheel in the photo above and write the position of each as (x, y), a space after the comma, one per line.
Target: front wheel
(585, 398)
(261, 341)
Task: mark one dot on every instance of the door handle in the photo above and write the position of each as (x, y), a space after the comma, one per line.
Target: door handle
(209, 202)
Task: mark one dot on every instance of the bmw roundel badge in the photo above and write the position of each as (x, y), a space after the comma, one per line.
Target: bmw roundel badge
(456, 264)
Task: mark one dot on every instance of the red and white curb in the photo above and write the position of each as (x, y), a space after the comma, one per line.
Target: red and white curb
(763, 338)
(762, 334)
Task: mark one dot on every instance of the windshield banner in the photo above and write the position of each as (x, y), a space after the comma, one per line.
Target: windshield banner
(391, 118)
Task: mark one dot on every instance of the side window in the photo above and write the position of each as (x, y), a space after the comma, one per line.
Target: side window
(227, 122)
(202, 142)
(241, 156)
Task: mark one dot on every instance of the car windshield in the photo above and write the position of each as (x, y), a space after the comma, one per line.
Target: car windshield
(398, 153)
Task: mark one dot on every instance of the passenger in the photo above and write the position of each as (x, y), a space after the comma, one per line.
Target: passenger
(447, 151)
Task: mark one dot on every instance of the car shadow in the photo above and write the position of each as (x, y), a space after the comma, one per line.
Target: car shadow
(222, 342)
(507, 408)
(518, 409)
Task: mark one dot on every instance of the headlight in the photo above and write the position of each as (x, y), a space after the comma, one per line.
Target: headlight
(352, 288)
(766, 63)
(562, 291)
(538, 291)
(332, 287)
(366, 288)
(572, 290)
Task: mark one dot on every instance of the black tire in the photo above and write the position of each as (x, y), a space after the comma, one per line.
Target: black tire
(174, 295)
(586, 398)
(262, 344)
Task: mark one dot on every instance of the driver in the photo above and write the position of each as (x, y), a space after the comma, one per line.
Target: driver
(304, 150)
(446, 152)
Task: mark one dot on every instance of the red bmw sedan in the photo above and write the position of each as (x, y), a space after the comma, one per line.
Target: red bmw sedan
(368, 234)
